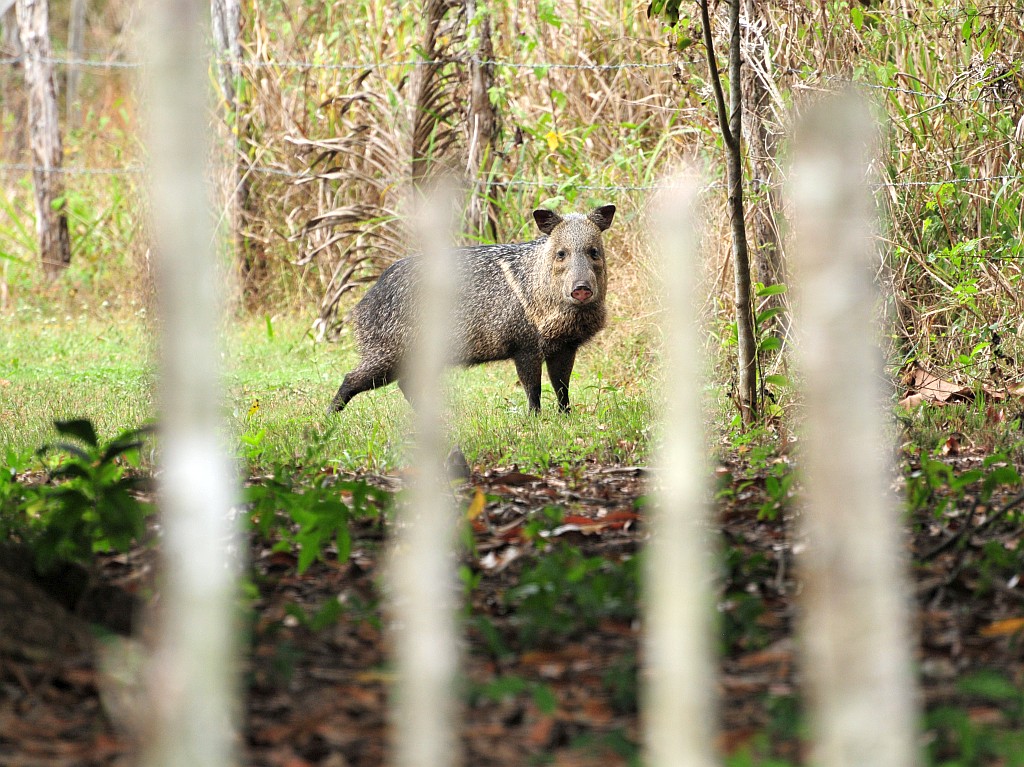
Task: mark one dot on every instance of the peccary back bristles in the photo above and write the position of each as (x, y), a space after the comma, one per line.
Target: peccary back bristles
(532, 302)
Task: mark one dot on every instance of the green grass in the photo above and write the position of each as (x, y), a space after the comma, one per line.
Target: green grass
(63, 366)
(100, 365)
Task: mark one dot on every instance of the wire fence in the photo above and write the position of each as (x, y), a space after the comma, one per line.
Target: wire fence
(139, 170)
(805, 79)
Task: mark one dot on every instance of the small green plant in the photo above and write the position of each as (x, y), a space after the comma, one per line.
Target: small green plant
(331, 610)
(88, 503)
(958, 739)
(937, 485)
(308, 510)
(778, 484)
(621, 682)
(510, 686)
(565, 592)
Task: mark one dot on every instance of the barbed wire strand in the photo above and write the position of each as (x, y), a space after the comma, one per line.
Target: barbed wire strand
(139, 169)
(809, 78)
(305, 65)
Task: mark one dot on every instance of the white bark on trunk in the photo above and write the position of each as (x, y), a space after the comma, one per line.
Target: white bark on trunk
(678, 680)
(423, 563)
(225, 20)
(855, 595)
(192, 672)
(47, 150)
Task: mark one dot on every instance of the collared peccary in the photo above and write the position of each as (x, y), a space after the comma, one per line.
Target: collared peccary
(531, 302)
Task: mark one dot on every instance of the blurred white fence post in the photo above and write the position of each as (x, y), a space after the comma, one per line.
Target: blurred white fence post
(855, 595)
(422, 569)
(678, 679)
(192, 672)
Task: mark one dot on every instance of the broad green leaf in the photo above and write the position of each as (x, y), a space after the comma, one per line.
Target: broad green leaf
(79, 428)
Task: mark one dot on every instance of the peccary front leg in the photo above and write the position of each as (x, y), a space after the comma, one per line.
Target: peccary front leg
(528, 367)
(559, 370)
(363, 378)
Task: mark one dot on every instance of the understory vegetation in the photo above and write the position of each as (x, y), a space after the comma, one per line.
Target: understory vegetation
(594, 102)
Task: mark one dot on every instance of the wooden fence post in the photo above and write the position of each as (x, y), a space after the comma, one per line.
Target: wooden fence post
(855, 595)
(191, 677)
(679, 702)
(422, 566)
(47, 151)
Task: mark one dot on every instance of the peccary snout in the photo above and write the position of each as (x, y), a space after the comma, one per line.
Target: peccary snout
(532, 302)
(582, 293)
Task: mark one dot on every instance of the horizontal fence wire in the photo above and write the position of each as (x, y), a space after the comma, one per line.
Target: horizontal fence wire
(755, 185)
(806, 80)
(361, 66)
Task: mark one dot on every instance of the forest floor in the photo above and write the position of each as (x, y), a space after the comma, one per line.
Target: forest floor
(553, 633)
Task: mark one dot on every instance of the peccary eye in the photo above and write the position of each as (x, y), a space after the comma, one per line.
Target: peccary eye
(560, 255)
(594, 254)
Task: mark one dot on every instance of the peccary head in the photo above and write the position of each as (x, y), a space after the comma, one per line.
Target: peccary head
(574, 253)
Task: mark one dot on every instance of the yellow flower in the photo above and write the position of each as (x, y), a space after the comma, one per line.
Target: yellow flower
(554, 139)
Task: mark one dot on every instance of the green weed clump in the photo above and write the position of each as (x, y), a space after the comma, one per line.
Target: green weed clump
(88, 502)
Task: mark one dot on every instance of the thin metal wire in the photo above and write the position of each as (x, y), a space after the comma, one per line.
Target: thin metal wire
(77, 62)
(307, 65)
(74, 170)
(304, 66)
(509, 184)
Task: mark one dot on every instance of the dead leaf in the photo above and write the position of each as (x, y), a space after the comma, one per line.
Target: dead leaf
(1004, 627)
(496, 562)
(540, 733)
(515, 477)
(994, 415)
(476, 506)
(952, 444)
(926, 386)
(574, 523)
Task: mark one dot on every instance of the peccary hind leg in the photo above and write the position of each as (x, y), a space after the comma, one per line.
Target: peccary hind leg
(359, 380)
(559, 370)
(528, 368)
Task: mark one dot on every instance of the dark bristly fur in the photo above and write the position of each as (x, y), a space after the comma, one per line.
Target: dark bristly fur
(531, 302)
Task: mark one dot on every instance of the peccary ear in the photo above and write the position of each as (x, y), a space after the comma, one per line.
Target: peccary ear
(546, 220)
(603, 216)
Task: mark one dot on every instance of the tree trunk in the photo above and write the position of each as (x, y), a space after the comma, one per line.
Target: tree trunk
(47, 152)
(731, 122)
(225, 20)
(761, 145)
(192, 671)
(483, 123)
(424, 102)
(422, 566)
(12, 94)
(858, 661)
(76, 50)
(679, 703)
